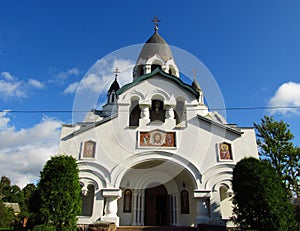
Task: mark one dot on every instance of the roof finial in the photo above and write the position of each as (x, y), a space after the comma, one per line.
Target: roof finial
(155, 21)
(195, 83)
(116, 72)
(194, 73)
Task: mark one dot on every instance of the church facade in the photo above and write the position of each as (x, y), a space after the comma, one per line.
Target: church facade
(156, 155)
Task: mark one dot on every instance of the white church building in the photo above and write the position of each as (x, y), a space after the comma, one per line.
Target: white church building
(156, 155)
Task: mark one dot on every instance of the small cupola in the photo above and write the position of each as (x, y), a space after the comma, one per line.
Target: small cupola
(197, 87)
(155, 53)
(114, 87)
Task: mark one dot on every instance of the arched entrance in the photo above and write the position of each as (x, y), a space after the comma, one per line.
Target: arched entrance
(157, 206)
(156, 186)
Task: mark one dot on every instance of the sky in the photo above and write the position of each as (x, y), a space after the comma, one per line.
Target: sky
(250, 47)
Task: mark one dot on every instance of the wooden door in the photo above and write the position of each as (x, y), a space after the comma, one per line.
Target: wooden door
(157, 206)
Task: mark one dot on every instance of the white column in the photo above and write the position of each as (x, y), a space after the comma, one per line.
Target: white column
(143, 208)
(177, 210)
(173, 210)
(170, 121)
(145, 115)
(169, 112)
(134, 215)
(138, 210)
(111, 205)
(147, 69)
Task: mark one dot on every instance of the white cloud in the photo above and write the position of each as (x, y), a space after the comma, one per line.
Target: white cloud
(35, 83)
(24, 152)
(92, 89)
(285, 98)
(62, 77)
(101, 76)
(68, 73)
(7, 76)
(12, 87)
(71, 88)
(4, 120)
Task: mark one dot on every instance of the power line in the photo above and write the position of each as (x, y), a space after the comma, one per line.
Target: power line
(211, 109)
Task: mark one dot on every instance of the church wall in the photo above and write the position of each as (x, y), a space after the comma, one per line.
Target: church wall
(198, 141)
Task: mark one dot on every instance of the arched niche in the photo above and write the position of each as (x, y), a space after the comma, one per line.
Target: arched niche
(88, 200)
(225, 202)
(157, 111)
(180, 114)
(184, 201)
(134, 112)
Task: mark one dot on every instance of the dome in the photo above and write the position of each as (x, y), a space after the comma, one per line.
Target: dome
(155, 53)
(156, 45)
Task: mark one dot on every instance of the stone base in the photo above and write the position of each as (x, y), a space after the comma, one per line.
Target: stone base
(115, 220)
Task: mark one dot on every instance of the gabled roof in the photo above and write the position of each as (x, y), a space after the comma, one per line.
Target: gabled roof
(236, 130)
(172, 78)
(14, 206)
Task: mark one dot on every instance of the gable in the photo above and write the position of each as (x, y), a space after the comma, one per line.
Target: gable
(159, 72)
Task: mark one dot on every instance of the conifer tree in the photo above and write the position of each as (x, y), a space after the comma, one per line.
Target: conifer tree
(260, 199)
(59, 191)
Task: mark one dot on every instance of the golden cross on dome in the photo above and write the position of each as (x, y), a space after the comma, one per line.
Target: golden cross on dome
(155, 21)
(116, 72)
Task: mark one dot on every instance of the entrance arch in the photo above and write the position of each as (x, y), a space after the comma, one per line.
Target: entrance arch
(157, 206)
(156, 186)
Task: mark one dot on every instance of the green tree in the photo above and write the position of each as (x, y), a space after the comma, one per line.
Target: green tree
(59, 191)
(4, 187)
(276, 146)
(28, 192)
(6, 216)
(260, 199)
(10, 193)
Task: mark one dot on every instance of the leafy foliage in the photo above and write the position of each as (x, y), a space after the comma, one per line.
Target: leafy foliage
(275, 142)
(260, 199)
(44, 228)
(59, 191)
(8, 192)
(6, 216)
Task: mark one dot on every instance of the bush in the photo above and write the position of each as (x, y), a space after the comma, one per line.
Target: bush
(260, 199)
(44, 228)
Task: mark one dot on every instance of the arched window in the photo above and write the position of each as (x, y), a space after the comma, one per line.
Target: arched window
(179, 113)
(127, 201)
(185, 204)
(225, 202)
(154, 66)
(88, 201)
(157, 111)
(135, 114)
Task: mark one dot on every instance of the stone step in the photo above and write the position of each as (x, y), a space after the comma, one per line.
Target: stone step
(155, 228)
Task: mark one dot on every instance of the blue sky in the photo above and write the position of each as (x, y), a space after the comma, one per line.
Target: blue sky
(252, 48)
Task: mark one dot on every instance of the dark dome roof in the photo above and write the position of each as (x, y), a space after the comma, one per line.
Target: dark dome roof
(114, 86)
(196, 85)
(156, 45)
